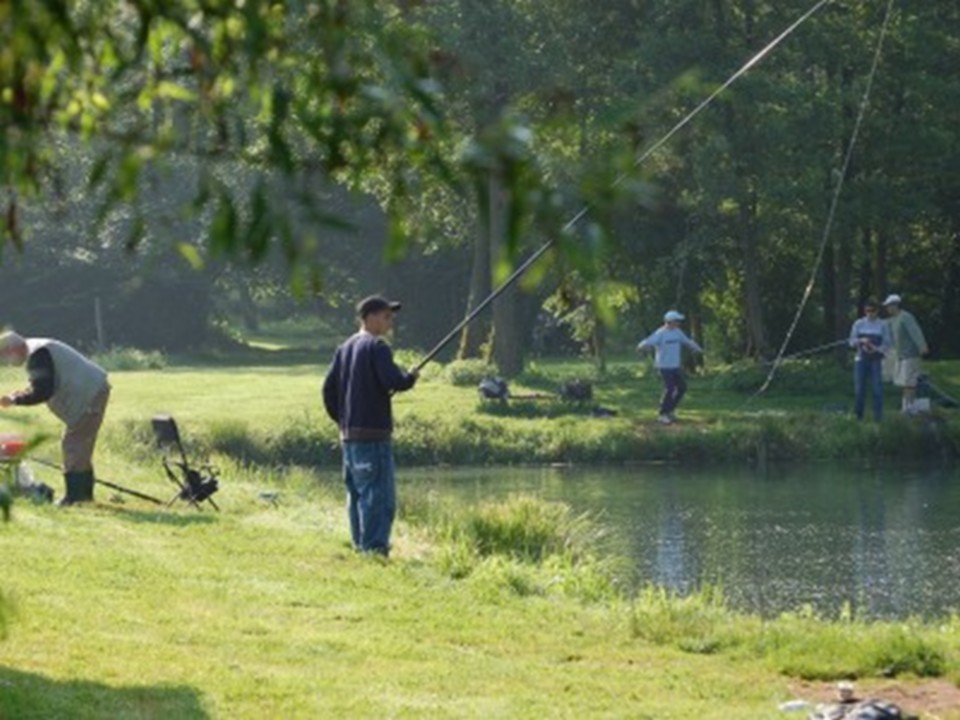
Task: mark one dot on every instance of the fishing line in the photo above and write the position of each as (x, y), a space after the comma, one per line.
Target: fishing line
(745, 68)
(833, 203)
(717, 375)
(811, 351)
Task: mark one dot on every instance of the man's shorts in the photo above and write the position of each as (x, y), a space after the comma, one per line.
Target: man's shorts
(907, 372)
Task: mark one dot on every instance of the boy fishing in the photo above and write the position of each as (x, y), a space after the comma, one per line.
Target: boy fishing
(667, 343)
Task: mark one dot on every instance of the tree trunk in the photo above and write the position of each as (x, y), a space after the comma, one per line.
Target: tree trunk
(865, 276)
(828, 271)
(477, 332)
(506, 344)
(950, 306)
(598, 341)
(841, 315)
(756, 331)
(880, 265)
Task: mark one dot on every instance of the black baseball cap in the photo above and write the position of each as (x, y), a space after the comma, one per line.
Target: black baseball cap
(374, 304)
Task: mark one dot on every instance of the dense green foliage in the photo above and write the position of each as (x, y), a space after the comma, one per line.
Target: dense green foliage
(480, 128)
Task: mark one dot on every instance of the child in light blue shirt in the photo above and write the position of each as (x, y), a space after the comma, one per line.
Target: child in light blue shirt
(667, 343)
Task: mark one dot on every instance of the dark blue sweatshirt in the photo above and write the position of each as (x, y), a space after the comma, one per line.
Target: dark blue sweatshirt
(356, 391)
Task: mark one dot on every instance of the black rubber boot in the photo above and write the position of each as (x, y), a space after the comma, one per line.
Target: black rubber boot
(79, 488)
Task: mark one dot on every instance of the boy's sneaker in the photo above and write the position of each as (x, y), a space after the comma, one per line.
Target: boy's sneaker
(664, 419)
(672, 416)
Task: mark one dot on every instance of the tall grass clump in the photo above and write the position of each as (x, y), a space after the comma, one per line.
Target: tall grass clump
(128, 358)
(526, 528)
(806, 646)
(799, 644)
(523, 545)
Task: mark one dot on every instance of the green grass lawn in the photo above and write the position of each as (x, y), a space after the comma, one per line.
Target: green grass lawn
(269, 411)
(263, 611)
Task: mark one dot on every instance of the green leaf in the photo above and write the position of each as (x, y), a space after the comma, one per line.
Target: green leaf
(191, 255)
(397, 245)
(171, 91)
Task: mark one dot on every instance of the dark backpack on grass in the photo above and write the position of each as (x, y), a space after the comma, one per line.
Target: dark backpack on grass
(576, 391)
(861, 710)
(493, 389)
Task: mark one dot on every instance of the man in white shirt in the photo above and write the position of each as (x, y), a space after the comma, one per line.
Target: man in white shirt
(667, 343)
(910, 344)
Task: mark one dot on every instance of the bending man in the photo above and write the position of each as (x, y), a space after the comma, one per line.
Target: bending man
(76, 391)
(356, 395)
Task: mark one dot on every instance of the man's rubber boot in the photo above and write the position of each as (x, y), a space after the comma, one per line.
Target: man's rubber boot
(79, 488)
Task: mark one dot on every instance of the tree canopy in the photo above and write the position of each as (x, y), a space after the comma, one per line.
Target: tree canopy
(223, 129)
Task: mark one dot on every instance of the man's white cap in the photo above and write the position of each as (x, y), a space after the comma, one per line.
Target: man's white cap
(672, 316)
(10, 340)
(892, 300)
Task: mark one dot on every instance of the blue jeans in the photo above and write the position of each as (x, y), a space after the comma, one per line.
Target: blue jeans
(368, 472)
(868, 372)
(674, 388)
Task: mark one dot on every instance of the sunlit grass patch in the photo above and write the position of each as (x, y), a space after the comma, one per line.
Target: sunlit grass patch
(798, 644)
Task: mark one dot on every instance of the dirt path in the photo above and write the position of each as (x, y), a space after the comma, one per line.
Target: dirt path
(930, 699)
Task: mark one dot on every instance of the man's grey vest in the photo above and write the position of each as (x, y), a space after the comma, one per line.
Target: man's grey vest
(77, 381)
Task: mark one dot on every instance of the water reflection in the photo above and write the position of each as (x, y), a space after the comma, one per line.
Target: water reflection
(886, 542)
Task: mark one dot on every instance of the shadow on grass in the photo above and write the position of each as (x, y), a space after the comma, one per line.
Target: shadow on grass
(160, 517)
(28, 696)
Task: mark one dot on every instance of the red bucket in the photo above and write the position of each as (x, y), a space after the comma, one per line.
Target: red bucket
(11, 445)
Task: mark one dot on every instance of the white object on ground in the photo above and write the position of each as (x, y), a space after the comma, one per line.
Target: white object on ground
(794, 706)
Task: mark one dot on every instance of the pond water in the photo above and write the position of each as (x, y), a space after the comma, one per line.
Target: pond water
(886, 542)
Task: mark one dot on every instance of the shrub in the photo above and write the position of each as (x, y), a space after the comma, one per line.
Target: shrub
(128, 358)
(409, 359)
(464, 373)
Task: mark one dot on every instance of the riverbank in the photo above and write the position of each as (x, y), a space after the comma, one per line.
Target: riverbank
(503, 610)
(270, 414)
(497, 611)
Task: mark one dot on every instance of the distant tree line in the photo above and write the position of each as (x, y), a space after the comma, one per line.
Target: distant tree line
(478, 132)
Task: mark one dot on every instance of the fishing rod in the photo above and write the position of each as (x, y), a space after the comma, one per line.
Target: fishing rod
(114, 486)
(746, 67)
(810, 351)
(835, 199)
